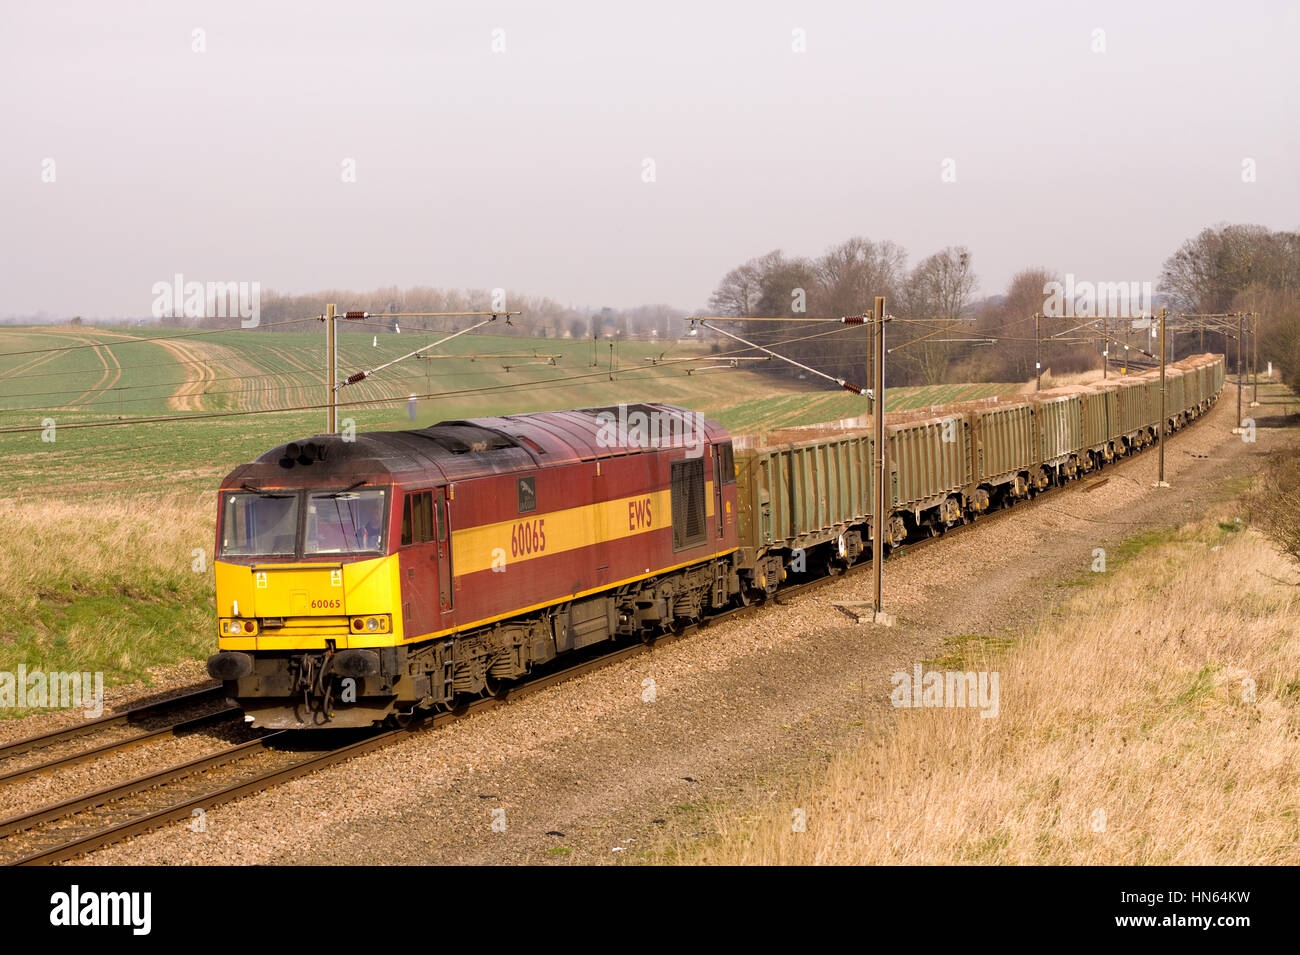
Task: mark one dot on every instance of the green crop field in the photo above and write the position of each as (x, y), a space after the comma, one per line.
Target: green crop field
(262, 375)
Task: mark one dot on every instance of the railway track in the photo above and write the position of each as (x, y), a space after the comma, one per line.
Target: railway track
(81, 824)
(117, 732)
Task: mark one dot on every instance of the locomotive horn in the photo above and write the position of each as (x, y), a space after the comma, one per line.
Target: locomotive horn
(304, 453)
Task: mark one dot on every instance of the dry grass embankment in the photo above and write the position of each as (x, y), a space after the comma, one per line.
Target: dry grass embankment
(105, 584)
(1133, 700)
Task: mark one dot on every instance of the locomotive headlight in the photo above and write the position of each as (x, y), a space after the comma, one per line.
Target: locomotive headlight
(376, 624)
(230, 627)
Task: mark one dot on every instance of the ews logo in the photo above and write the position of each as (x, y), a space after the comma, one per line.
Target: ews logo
(638, 514)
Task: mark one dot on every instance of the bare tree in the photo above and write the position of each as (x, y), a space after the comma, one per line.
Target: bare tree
(854, 272)
(1207, 272)
(740, 289)
(940, 287)
(1010, 321)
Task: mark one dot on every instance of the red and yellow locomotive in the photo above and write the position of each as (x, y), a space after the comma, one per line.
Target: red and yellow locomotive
(362, 579)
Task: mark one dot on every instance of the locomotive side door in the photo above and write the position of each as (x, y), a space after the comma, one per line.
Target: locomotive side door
(419, 554)
(442, 520)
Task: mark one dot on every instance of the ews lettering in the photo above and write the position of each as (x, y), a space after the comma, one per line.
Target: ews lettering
(638, 514)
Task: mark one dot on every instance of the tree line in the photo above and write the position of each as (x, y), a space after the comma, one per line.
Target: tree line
(943, 332)
(1247, 268)
(540, 317)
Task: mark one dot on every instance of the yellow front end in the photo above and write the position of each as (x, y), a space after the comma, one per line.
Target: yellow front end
(295, 605)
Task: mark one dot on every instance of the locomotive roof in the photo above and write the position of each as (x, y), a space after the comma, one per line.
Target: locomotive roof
(457, 450)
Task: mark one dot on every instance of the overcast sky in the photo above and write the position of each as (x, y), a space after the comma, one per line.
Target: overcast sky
(525, 169)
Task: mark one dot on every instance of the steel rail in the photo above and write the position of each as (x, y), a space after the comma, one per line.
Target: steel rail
(43, 740)
(122, 745)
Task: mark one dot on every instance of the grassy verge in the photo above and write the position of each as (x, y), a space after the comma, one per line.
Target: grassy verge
(107, 585)
(1152, 721)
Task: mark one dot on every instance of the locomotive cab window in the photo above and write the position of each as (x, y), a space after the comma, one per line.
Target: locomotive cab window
(688, 503)
(344, 522)
(259, 525)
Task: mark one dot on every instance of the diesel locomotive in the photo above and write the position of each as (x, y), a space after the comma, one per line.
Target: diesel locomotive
(362, 580)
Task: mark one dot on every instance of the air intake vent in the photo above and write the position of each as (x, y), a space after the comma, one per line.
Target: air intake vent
(688, 503)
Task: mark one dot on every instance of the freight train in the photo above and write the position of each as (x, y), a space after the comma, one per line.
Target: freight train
(366, 580)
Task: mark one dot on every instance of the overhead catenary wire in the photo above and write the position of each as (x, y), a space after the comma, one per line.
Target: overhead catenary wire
(389, 399)
(363, 375)
(848, 322)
